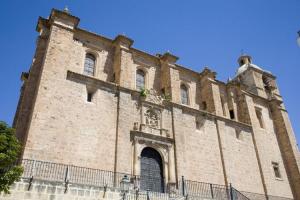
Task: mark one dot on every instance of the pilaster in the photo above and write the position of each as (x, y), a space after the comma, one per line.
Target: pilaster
(210, 93)
(123, 62)
(170, 76)
(287, 144)
(255, 128)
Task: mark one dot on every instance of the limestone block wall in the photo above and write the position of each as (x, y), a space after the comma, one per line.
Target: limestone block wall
(190, 80)
(232, 102)
(128, 114)
(151, 66)
(65, 128)
(268, 151)
(175, 85)
(224, 100)
(100, 48)
(239, 156)
(206, 96)
(29, 90)
(44, 190)
(198, 153)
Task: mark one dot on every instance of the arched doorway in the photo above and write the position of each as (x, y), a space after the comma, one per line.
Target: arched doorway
(151, 170)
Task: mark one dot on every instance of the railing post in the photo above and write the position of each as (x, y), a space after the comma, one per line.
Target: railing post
(211, 190)
(148, 198)
(137, 194)
(67, 179)
(231, 191)
(32, 174)
(104, 191)
(183, 186)
(33, 168)
(115, 179)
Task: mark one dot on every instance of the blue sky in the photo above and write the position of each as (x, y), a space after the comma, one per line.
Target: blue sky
(200, 32)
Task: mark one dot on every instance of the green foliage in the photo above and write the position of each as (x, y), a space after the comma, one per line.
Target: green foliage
(144, 92)
(9, 152)
(166, 97)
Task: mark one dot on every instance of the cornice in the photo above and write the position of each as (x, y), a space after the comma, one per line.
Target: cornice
(150, 137)
(211, 115)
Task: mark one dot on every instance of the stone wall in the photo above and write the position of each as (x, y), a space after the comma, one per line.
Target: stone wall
(268, 150)
(65, 128)
(45, 190)
(196, 159)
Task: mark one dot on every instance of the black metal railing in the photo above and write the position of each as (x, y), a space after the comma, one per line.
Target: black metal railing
(146, 195)
(235, 194)
(197, 190)
(257, 196)
(69, 174)
(42, 170)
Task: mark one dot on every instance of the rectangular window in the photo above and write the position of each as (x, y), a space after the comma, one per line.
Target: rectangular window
(276, 169)
(231, 113)
(259, 117)
(89, 97)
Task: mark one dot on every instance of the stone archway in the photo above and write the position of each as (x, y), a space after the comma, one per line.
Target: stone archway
(151, 170)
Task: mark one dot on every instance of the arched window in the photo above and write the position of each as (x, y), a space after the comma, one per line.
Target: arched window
(184, 94)
(89, 64)
(140, 79)
(151, 170)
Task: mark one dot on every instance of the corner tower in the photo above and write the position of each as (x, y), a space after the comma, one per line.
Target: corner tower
(261, 85)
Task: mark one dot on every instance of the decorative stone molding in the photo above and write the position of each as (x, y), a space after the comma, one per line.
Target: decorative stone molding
(154, 97)
(168, 57)
(152, 118)
(123, 42)
(165, 147)
(155, 131)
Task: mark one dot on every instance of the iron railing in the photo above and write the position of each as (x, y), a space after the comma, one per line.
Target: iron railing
(42, 170)
(257, 196)
(200, 190)
(146, 195)
(69, 174)
(236, 195)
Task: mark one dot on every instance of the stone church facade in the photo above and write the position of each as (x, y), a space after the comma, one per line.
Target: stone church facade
(99, 103)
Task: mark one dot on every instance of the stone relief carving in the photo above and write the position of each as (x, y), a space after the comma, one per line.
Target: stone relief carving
(152, 118)
(154, 97)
